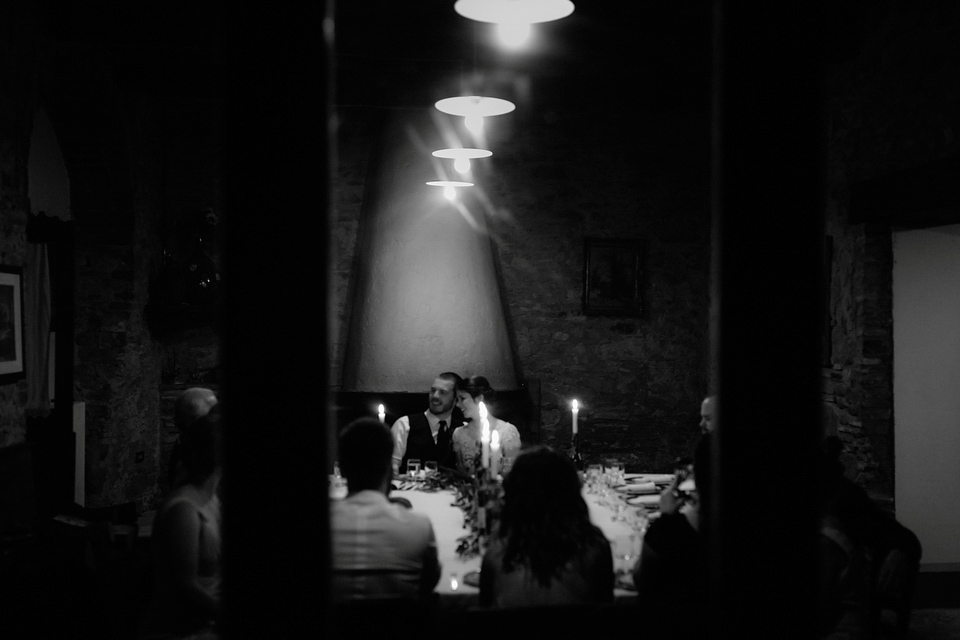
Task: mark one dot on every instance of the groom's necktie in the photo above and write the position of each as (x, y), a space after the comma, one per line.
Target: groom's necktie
(443, 439)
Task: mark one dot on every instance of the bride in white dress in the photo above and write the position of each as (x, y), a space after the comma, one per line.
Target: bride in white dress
(466, 439)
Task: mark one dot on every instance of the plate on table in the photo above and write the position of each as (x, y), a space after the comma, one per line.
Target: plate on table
(646, 500)
(646, 487)
(656, 478)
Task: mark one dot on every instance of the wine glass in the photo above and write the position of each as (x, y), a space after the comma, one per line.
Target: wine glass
(430, 467)
(619, 510)
(594, 471)
(625, 549)
(615, 472)
(413, 468)
(637, 520)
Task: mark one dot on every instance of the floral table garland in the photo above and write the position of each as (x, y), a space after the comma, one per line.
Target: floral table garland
(466, 489)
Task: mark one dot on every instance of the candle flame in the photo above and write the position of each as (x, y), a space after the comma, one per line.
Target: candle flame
(575, 406)
(483, 411)
(495, 439)
(380, 409)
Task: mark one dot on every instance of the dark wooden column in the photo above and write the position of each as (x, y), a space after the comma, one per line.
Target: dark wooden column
(768, 207)
(275, 357)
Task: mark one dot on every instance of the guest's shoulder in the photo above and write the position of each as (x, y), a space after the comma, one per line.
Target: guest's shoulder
(668, 529)
(403, 422)
(414, 521)
(508, 430)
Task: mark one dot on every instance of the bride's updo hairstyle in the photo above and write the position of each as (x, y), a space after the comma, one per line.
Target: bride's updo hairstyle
(478, 385)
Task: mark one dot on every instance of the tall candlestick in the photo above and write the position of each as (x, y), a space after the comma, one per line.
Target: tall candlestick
(494, 454)
(484, 437)
(576, 410)
(382, 414)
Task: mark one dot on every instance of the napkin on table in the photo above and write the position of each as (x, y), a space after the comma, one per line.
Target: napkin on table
(639, 487)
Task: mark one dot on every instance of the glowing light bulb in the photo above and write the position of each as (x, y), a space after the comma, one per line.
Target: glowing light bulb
(474, 122)
(513, 34)
(449, 193)
(462, 164)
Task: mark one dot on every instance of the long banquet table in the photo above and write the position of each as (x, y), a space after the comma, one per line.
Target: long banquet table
(448, 526)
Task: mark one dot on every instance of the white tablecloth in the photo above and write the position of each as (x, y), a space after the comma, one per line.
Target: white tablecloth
(448, 526)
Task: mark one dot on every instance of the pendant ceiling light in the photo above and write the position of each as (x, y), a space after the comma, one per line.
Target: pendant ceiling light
(449, 187)
(514, 17)
(474, 109)
(461, 157)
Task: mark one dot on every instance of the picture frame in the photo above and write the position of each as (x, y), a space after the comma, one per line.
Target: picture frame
(11, 324)
(612, 277)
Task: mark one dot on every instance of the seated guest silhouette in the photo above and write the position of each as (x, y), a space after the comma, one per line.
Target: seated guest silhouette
(426, 436)
(545, 551)
(708, 414)
(671, 575)
(191, 404)
(186, 541)
(466, 439)
(893, 551)
(380, 549)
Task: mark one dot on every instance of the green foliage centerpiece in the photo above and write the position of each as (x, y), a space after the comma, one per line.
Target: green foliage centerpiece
(478, 495)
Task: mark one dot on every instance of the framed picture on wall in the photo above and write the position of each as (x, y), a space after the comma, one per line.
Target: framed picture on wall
(11, 324)
(612, 276)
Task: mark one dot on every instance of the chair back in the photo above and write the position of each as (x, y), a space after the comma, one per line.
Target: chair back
(384, 618)
(553, 621)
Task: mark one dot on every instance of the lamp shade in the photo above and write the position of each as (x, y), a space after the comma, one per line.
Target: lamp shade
(449, 183)
(465, 152)
(482, 106)
(462, 156)
(514, 11)
(449, 187)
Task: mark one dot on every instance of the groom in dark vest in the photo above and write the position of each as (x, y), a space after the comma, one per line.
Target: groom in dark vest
(427, 436)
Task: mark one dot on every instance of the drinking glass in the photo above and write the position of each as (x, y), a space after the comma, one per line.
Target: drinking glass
(625, 551)
(638, 521)
(413, 468)
(430, 466)
(594, 471)
(619, 510)
(615, 472)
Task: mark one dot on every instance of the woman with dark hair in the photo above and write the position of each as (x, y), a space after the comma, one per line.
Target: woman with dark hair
(466, 439)
(546, 551)
(671, 576)
(186, 541)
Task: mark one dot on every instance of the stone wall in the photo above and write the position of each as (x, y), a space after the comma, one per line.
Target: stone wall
(569, 174)
(17, 76)
(894, 106)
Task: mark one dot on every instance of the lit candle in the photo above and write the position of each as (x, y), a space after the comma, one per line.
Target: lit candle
(484, 437)
(494, 454)
(382, 414)
(576, 410)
